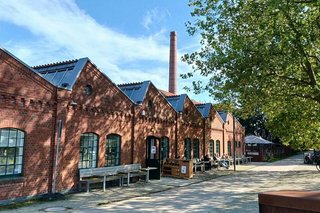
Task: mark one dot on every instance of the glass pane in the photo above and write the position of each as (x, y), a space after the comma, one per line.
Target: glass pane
(2, 170)
(3, 160)
(4, 142)
(11, 151)
(19, 160)
(20, 134)
(10, 160)
(18, 169)
(20, 141)
(12, 142)
(10, 170)
(5, 133)
(13, 134)
(20, 150)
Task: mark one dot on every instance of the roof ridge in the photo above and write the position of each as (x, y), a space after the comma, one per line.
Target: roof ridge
(172, 96)
(56, 63)
(130, 84)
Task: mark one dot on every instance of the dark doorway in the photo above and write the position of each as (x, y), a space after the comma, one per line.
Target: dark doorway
(153, 157)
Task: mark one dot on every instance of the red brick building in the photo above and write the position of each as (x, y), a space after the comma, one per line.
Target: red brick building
(57, 118)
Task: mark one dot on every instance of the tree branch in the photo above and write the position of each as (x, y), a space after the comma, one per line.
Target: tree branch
(308, 67)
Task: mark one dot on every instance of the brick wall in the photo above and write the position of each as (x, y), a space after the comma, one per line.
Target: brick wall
(27, 106)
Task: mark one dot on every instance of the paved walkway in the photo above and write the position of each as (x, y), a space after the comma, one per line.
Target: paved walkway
(214, 191)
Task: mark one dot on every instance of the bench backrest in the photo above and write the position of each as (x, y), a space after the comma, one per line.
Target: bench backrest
(132, 167)
(113, 170)
(100, 171)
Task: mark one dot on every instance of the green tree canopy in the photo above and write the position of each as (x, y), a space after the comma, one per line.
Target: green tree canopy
(262, 54)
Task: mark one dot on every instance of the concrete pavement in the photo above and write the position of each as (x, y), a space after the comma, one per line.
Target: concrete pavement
(214, 191)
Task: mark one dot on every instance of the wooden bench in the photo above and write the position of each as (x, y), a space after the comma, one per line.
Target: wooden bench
(99, 175)
(134, 170)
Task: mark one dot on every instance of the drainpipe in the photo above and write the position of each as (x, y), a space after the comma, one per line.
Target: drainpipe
(53, 139)
(57, 156)
(132, 131)
(223, 138)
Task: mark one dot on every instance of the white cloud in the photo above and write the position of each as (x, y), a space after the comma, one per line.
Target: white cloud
(64, 30)
(155, 16)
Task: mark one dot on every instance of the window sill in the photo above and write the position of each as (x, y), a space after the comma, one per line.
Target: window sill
(6, 180)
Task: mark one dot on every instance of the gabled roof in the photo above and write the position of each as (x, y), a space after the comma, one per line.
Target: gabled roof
(204, 109)
(62, 74)
(24, 64)
(166, 93)
(177, 101)
(223, 115)
(135, 91)
(251, 139)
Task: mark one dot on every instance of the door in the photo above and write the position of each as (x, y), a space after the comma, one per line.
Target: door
(153, 157)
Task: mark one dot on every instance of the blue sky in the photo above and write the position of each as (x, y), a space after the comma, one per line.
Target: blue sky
(128, 40)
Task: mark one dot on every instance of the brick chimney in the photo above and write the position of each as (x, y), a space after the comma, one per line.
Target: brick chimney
(173, 63)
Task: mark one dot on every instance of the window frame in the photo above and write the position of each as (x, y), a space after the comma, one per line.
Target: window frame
(80, 165)
(229, 148)
(18, 152)
(218, 147)
(196, 148)
(187, 152)
(167, 146)
(117, 160)
(211, 148)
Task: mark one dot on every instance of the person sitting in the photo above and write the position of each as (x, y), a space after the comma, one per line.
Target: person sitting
(224, 162)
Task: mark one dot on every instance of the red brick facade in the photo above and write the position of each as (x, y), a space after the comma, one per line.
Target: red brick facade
(31, 104)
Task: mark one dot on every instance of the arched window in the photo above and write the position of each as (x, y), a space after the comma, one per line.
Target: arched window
(218, 147)
(88, 150)
(196, 149)
(164, 148)
(11, 152)
(187, 148)
(113, 147)
(229, 148)
(211, 144)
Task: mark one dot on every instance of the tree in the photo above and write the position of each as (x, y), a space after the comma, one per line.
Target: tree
(262, 54)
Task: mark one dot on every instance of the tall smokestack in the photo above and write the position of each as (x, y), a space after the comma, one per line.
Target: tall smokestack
(173, 63)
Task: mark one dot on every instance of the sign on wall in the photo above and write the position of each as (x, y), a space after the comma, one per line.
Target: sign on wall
(153, 149)
(183, 169)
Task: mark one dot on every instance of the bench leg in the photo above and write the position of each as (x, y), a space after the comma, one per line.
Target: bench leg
(128, 181)
(88, 187)
(147, 176)
(104, 183)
